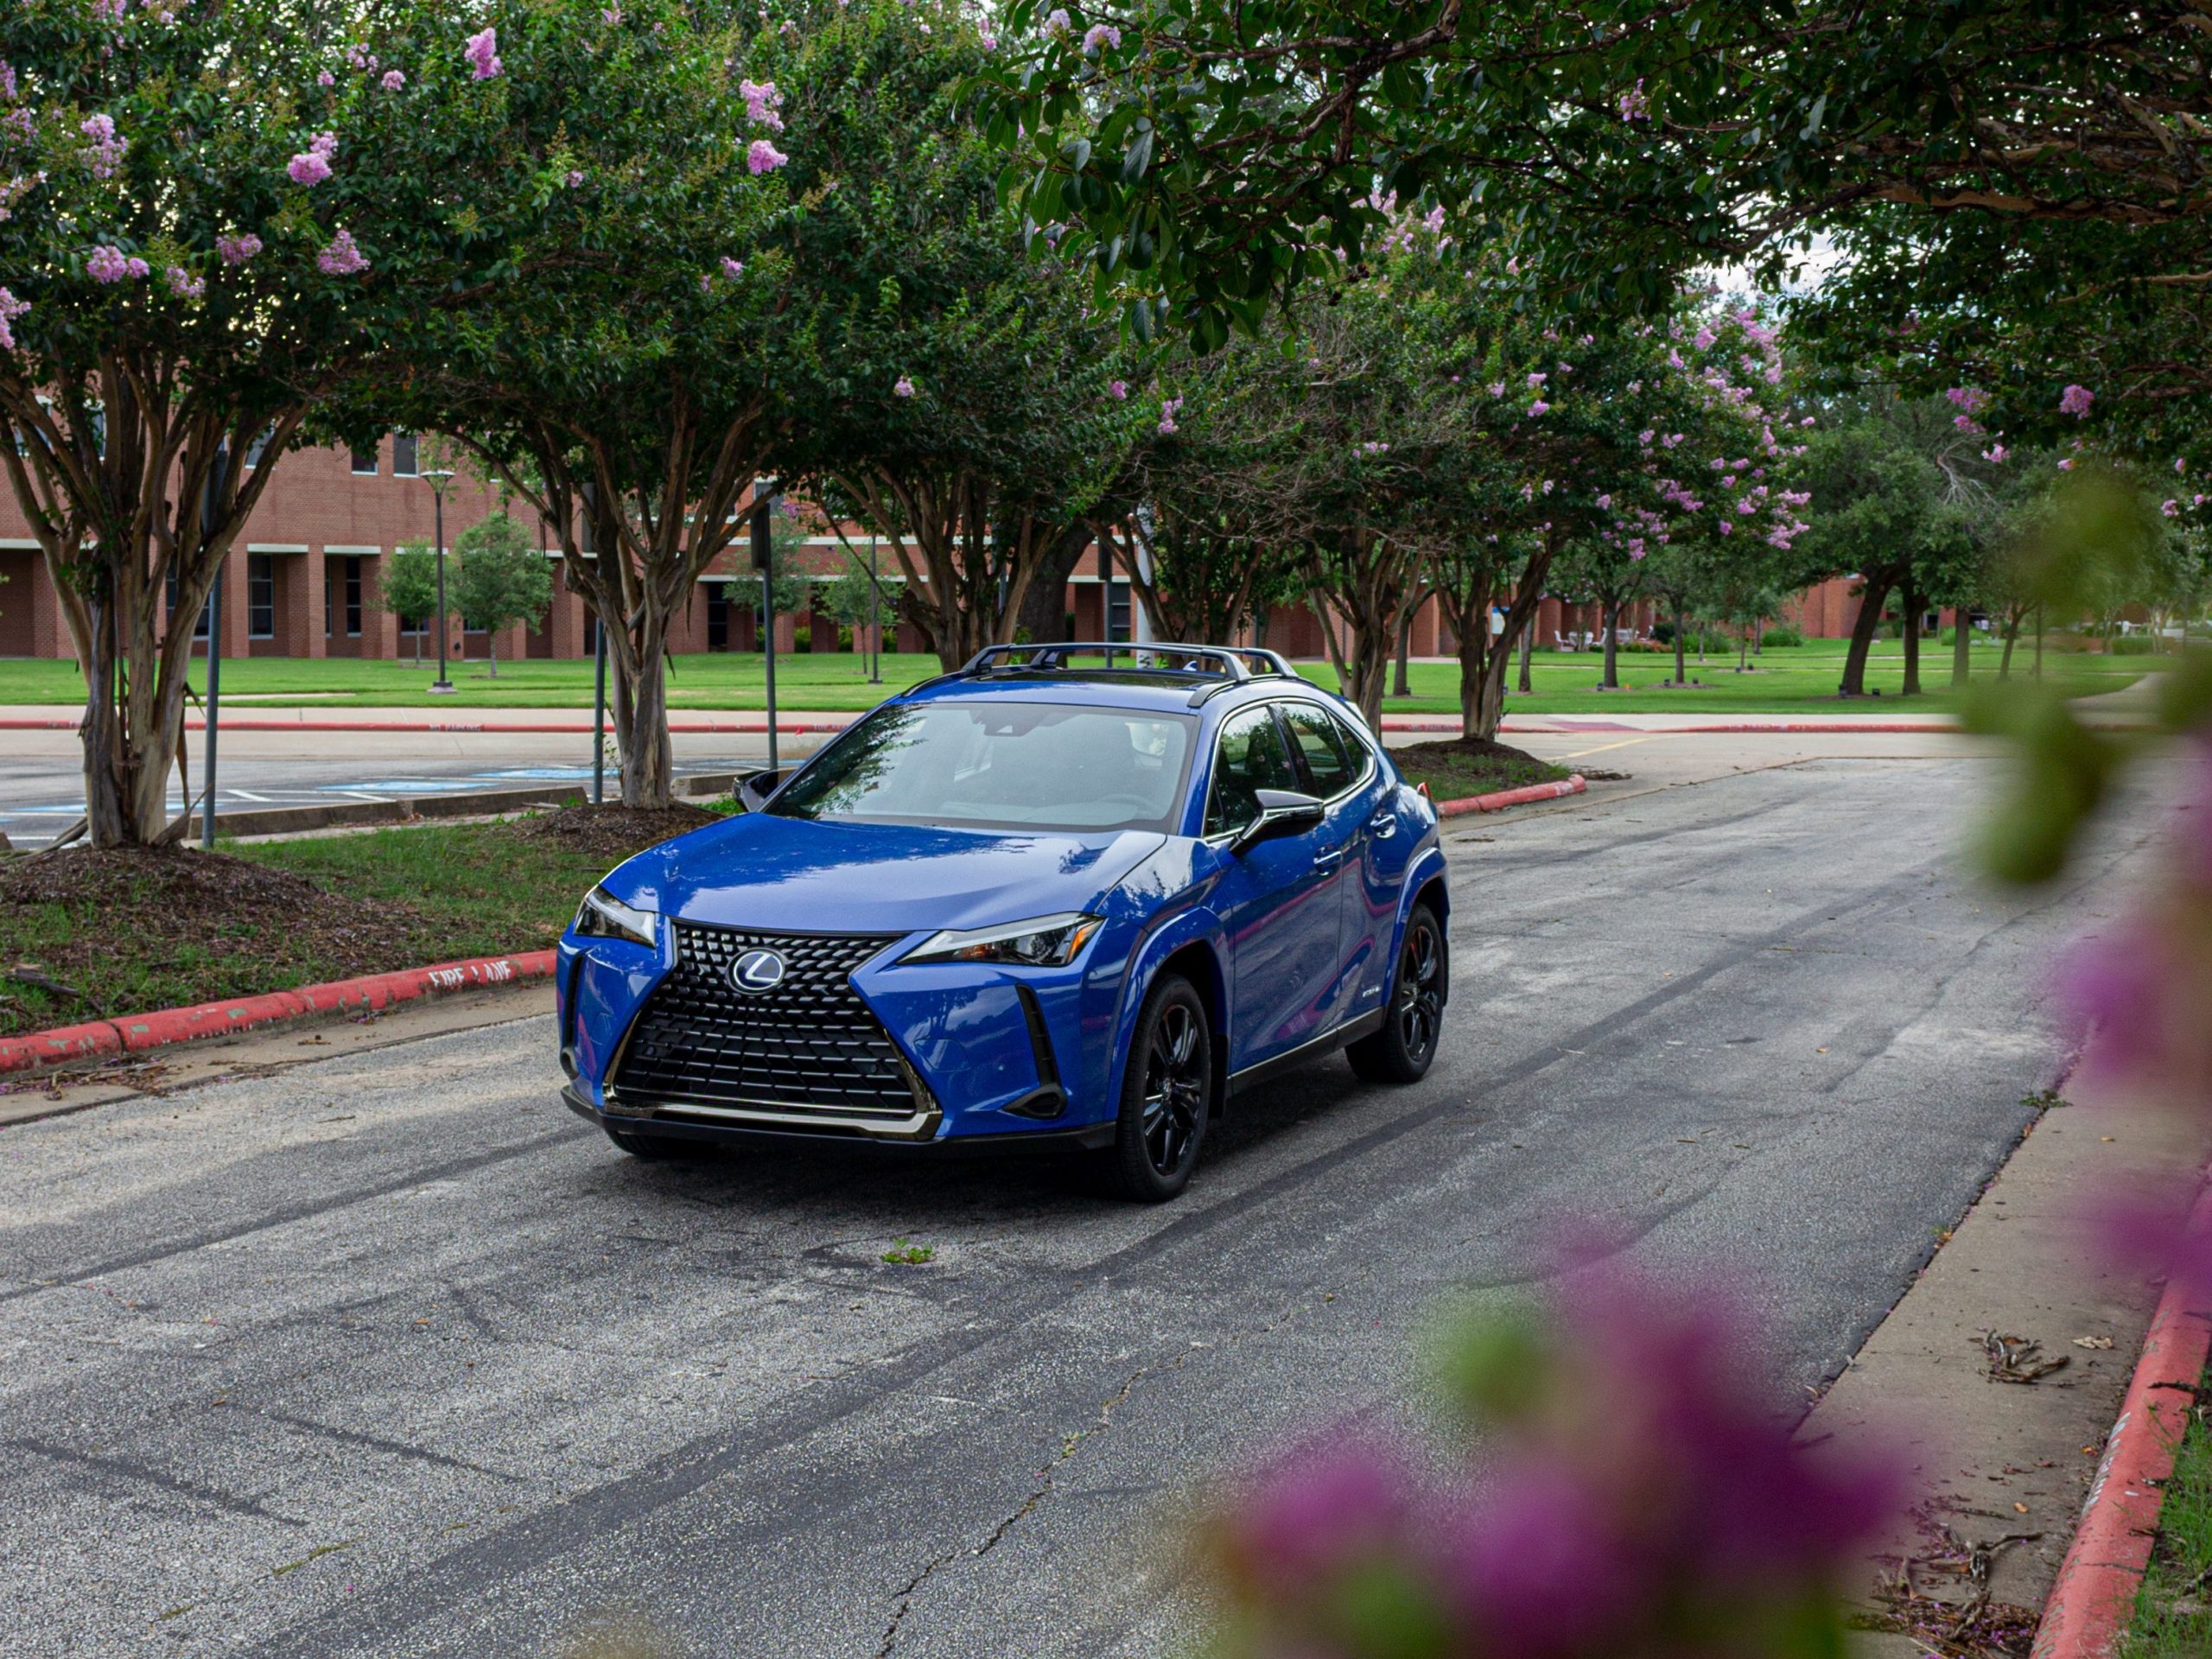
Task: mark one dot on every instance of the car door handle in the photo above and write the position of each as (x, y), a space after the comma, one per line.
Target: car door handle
(1384, 824)
(1329, 858)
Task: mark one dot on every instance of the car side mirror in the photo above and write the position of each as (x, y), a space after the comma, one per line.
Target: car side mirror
(755, 787)
(1282, 813)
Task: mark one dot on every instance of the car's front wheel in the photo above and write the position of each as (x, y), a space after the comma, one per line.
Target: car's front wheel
(1167, 1095)
(1401, 1050)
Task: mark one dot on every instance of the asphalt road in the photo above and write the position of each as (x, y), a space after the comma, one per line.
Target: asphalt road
(389, 1355)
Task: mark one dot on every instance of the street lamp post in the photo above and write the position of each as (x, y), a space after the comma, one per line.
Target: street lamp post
(763, 560)
(438, 479)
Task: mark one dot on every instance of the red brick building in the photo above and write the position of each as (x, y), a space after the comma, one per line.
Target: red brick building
(302, 580)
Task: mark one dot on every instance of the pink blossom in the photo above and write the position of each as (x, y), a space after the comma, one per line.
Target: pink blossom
(310, 167)
(324, 78)
(1972, 399)
(2075, 401)
(733, 269)
(2171, 507)
(10, 309)
(762, 101)
(1605, 501)
(106, 263)
(2066, 464)
(2181, 467)
(761, 157)
(105, 153)
(183, 284)
(359, 57)
(1497, 388)
(903, 387)
(1100, 35)
(1727, 527)
(1966, 423)
(1058, 26)
(393, 80)
(341, 257)
(1537, 379)
(1119, 389)
(1168, 413)
(572, 178)
(1540, 407)
(1632, 105)
(483, 54)
(7, 81)
(237, 250)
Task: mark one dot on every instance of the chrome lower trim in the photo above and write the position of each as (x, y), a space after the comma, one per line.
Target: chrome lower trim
(921, 1124)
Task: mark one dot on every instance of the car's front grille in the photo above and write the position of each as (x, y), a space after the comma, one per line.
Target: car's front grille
(806, 1042)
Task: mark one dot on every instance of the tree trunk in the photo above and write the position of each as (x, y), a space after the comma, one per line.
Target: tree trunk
(1682, 669)
(641, 718)
(1401, 683)
(1961, 649)
(2012, 621)
(1609, 613)
(1863, 629)
(1043, 613)
(491, 652)
(1526, 686)
(1911, 601)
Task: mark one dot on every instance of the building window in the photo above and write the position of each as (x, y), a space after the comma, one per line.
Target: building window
(365, 461)
(402, 455)
(353, 598)
(260, 596)
(1117, 610)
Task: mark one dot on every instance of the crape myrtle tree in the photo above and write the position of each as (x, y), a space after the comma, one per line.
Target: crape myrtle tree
(959, 393)
(1203, 546)
(621, 168)
(1899, 485)
(1209, 160)
(199, 238)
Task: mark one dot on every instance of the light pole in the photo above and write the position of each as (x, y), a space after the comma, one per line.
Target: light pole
(438, 478)
(763, 560)
(208, 510)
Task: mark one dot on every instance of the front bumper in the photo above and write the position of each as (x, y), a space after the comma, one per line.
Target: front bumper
(984, 1052)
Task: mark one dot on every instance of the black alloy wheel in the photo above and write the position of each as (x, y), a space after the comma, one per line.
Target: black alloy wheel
(1402, 1051)
(1167, 1095)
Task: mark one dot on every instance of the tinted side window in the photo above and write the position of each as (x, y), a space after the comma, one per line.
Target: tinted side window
(1330, 764)
(1251, 757)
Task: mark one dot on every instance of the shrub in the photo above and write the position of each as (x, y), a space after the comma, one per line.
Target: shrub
(1783, 634)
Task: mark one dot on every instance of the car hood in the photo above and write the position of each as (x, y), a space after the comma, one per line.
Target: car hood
(798, 875)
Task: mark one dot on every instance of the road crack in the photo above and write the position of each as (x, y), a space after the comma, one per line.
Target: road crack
(1038, 1493)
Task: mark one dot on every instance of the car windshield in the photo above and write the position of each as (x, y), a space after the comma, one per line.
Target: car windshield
(999, 765)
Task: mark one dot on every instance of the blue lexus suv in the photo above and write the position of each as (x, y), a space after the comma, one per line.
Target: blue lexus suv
(1080, 895)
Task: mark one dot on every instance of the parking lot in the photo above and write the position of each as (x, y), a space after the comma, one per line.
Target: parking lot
(388, 1354)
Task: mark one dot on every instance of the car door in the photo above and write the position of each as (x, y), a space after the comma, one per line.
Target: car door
(1341, 772)
(1278, 898)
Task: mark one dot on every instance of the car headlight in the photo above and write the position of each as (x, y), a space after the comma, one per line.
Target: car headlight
(603, 916)
(1045, 942)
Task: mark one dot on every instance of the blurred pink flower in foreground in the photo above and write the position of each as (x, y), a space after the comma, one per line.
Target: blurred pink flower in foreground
(1632, 1494)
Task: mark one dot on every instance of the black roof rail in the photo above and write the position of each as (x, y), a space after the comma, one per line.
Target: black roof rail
(1227, 662)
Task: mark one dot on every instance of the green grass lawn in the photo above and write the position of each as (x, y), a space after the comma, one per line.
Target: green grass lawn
(1801, 677)
(2173, 1610)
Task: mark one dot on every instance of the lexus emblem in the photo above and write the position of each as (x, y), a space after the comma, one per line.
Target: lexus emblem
(757, 971)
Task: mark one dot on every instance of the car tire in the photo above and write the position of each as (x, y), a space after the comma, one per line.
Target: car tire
(656, 1148)
(1412, 1019)
(1167, 1095)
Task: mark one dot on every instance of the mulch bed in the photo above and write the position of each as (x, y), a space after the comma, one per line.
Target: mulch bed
(155, 904)
(611, 832)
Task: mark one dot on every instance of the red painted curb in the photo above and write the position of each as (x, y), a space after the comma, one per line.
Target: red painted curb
(1504, 797)
(2093, 1595)
(133, 1034)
